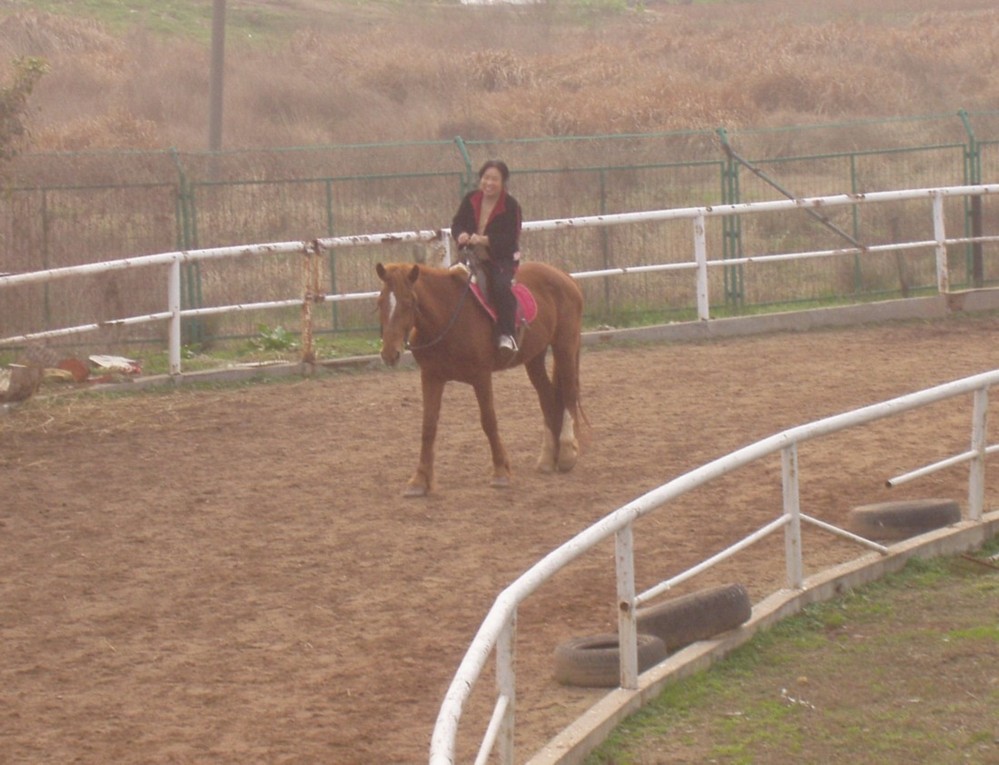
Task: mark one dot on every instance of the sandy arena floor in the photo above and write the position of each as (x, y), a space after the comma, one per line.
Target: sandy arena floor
(231, 575)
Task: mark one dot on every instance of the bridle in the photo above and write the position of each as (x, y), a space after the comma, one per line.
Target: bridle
(450, 324)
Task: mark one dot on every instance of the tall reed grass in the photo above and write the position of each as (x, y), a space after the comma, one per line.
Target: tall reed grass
(347, 72)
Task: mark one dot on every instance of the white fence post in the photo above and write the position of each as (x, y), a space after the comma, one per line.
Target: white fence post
(940, 235)
(979, 445)
(173, 306)
(447, 260)
(792, 508)
(506, 686)
(701, 258)
(627, 629)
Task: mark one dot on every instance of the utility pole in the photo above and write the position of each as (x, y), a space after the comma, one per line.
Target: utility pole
(215, 86)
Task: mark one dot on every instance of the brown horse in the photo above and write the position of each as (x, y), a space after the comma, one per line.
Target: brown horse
(432, 312)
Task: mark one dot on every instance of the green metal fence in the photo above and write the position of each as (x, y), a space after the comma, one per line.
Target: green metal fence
(68, 209)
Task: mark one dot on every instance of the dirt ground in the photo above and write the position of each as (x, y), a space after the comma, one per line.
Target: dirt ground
(231, 575)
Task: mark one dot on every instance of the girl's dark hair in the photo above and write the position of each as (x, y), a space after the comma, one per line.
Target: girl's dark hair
(499, 165)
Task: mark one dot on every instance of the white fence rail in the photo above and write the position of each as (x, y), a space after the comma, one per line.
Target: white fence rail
(173, 313)
(497, 632)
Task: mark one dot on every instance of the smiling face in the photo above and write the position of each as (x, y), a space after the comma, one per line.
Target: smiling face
(491, 183)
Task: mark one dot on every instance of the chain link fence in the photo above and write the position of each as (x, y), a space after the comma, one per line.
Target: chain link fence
(69, 209)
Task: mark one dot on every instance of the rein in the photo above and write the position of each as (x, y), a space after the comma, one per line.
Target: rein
(454, 318)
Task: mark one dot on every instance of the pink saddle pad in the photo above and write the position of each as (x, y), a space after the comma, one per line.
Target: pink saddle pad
(527, 305)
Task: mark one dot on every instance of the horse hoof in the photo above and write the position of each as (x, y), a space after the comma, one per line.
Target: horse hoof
(415, 491)
(501, 482)
(546, 466)
(546, 460)
(567, 456)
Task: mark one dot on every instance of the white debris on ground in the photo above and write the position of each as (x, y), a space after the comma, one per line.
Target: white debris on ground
(19, 382)
(116, 364)
(792, 700)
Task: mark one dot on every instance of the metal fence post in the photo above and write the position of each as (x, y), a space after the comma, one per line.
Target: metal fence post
(187, 240)
(973, 206)
(45, 256)
(858, 274)
(331, 231)
(605, 241)
(469, 181)
(731, 226)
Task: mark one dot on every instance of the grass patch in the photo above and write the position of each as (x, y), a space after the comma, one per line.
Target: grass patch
(899, 670)
(168, 18)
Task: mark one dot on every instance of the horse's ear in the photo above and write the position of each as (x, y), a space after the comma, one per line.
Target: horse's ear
(380, 269)
(414, 274)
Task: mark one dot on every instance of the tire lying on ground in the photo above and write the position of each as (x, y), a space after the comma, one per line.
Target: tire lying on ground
(595, 661)
(681, 621)
(902, 519)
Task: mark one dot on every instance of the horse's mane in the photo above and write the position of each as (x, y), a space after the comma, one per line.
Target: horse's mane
(458, 275)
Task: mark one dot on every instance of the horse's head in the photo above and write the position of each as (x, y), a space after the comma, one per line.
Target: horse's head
(396, 308)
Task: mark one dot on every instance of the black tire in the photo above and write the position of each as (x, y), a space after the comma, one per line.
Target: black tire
(903, 519)
(595, 661)
(697, 616)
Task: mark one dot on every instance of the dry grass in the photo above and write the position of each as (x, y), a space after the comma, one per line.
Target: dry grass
(339, 72)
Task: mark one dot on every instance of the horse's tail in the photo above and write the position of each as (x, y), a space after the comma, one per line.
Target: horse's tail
(579, 414)
(567, 342)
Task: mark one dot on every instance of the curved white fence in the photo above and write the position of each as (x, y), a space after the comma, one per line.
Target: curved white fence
(497, 633)
(311, 250)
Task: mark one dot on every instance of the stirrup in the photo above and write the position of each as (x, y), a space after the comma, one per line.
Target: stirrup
(507, 343)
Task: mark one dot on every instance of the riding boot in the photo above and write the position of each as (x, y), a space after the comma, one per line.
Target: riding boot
(506, 308)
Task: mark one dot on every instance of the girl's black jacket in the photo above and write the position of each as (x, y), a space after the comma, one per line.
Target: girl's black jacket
(503, 227)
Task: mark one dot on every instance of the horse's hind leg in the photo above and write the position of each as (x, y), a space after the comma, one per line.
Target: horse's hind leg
(487, 417)
(551, 410)
(565, 377)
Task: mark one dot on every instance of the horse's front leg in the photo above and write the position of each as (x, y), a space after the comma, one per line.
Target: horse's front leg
(423, 479)
(487, 416)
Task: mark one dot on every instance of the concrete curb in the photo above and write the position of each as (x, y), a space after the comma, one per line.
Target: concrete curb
(575, 742)
(243, 373)
(933, 307)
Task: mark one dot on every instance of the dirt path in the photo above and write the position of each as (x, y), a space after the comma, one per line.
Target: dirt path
(231, 575)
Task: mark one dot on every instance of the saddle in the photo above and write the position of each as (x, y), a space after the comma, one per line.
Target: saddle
(527, 306)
